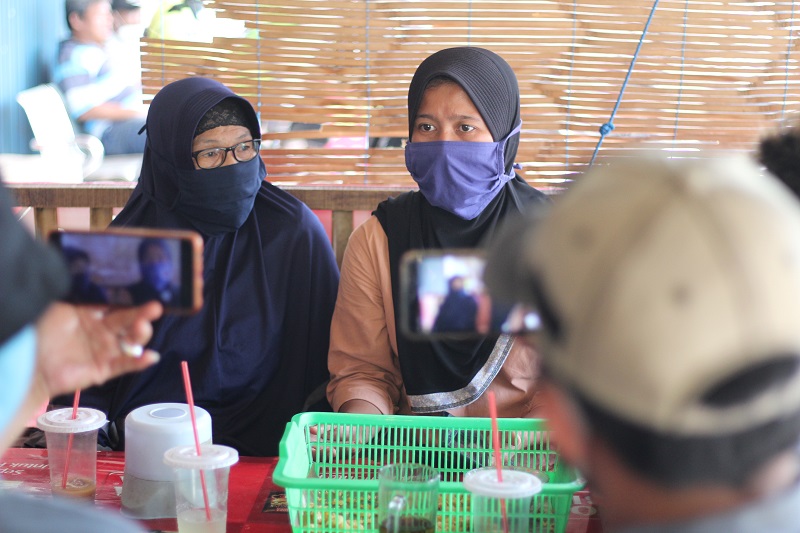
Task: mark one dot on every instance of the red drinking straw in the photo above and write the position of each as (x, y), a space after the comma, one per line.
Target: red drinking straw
(75, 403)
(187, 384)
(498, 461)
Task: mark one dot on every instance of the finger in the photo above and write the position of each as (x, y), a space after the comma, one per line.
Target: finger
(135, 325)
(123, 365)
(122, 319)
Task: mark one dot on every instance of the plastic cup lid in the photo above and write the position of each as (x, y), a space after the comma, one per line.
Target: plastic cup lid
(212, 456)
(167, 418)
(61, 421)
(515, 484)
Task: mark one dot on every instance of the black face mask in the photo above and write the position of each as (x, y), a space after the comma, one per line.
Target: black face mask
(219, 200)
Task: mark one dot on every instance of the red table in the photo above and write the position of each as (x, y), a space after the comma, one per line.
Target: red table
(255, 503)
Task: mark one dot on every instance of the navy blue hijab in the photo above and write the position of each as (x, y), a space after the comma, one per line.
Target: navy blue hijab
(259, 345)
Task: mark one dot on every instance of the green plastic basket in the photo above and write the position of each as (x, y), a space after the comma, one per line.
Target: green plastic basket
(332, 485)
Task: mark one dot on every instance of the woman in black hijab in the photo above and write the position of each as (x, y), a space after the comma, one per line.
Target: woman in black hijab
(464, 124)
(259, 345)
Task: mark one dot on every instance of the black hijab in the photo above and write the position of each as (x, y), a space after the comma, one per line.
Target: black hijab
(441, 375)
(259, 345)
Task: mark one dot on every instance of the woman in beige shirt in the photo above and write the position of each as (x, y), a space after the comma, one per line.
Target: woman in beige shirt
(464, 123)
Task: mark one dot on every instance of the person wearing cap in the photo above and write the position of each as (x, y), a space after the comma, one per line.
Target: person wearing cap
(126, 13)
(49, 348)
(124, 45)
(258, 347)
(96, 81)
(669, 296)
(464, 125)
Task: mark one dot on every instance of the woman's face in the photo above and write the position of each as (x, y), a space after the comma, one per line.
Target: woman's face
(447, 114)
(221, 137)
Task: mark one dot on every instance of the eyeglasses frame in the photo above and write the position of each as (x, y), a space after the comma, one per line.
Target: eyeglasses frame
(230, 149)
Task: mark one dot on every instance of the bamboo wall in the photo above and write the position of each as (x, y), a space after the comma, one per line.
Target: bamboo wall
(710, 75)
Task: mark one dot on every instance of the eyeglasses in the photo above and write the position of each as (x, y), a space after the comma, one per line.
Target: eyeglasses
(215, 157)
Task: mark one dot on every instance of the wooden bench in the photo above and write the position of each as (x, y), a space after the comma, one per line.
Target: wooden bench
(102, 198)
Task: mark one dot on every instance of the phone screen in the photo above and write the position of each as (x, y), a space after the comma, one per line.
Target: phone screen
(129, 267)
(442, 295)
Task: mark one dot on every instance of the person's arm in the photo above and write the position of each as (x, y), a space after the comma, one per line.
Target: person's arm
(359, 406)
(78, 347)
(365, 375)
(111, 111)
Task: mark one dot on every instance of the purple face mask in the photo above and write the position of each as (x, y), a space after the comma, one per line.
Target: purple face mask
(457, 176)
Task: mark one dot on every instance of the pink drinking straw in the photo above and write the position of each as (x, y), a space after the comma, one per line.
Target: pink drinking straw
(75, 403)
(187, 384)
(498, 461)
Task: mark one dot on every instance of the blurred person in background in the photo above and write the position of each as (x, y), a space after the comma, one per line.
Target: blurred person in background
(191, 20)
(180, 20)
(101, 94)
(125, 42)
(127, 13)
(669, 297)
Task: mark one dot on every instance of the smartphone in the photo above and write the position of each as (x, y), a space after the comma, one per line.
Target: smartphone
(122, 267)
(443, 296)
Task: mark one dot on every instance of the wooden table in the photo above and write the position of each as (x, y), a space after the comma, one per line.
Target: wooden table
(255, 503)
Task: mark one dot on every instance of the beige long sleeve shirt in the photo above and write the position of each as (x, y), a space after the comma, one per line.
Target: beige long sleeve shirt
(363, 358)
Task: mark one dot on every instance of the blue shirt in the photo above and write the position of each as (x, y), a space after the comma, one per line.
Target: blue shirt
(88, 75)
(27, 514)
(779, 513)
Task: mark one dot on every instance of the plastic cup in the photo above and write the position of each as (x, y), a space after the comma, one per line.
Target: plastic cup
(408, 498)
(78, 457)
(190, 502)
(489, 495)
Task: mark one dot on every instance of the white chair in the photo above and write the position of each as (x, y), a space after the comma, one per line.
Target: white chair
(69, 156)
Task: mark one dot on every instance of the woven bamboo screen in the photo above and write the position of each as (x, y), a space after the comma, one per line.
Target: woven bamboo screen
(710, 74)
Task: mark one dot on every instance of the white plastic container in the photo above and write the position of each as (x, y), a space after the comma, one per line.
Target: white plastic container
(151, 430)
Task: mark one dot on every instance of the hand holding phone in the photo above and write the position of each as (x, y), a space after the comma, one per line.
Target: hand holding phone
(123, 267)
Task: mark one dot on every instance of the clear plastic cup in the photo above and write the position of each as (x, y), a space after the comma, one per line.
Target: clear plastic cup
(407, 498)
(72, 450)
(490, 496)
(191, 471)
